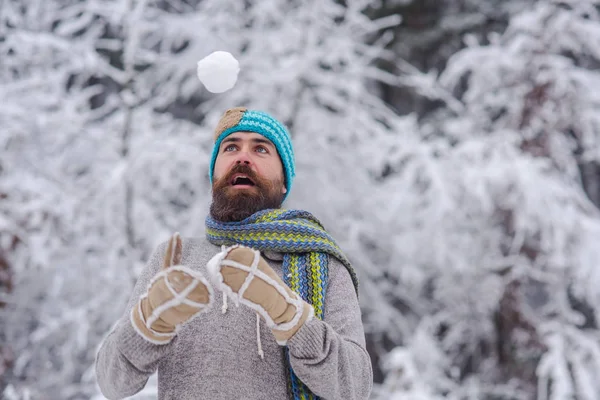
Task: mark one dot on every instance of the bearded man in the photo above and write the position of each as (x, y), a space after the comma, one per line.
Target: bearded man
(296, 331)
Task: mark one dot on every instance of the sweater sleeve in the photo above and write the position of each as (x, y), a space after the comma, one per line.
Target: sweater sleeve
(125, 360)
(330, 356)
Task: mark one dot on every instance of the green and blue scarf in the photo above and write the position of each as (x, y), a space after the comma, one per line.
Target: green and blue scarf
(306, 248)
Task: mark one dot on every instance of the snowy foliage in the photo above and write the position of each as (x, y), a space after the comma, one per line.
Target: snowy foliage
(474, 240)
(94, 178)
(104, 161)
(492, 241)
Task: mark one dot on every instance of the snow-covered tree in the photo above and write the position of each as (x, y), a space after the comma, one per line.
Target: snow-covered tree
(80, 136)
(491, 253)
(470, 228)
(430, 33)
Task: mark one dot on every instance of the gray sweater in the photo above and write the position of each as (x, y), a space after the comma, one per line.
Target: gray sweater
(215, 356)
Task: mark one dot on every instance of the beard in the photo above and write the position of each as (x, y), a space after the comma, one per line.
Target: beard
(231, 205)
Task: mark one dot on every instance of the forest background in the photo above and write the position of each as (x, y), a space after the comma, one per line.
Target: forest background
(450, 146)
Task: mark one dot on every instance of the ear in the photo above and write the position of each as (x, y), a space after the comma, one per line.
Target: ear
(283, 189)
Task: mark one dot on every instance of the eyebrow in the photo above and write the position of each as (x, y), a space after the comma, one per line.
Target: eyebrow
(234, 139)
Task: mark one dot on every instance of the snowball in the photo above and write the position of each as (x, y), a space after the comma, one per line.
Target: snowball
(218, 71)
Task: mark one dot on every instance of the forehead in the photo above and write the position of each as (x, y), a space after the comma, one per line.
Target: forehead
(248, 136)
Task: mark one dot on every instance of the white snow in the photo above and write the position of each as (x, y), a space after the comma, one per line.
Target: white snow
(439, 216)
(218, 71)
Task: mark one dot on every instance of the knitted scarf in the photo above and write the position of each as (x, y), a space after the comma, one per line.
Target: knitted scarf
(306, 248)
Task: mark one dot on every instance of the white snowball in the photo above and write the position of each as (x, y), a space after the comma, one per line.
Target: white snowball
(218, 71)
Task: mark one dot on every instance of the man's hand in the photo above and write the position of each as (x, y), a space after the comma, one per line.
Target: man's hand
(246, 277)
(176, 295)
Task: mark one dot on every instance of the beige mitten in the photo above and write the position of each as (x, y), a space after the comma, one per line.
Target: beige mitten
(175, 295)
(245, 276)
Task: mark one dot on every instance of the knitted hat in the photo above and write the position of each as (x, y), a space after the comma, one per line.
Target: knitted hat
(240, 119)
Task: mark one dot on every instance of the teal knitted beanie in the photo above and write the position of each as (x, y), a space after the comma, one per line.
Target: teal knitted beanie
(240, 119)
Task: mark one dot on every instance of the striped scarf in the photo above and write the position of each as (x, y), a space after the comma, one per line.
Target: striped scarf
(306, 248)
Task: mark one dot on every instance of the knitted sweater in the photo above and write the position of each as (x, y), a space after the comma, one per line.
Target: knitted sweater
(215, 356)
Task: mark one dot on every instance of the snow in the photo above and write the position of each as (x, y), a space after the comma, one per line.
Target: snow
(474, 240)
(218, 71)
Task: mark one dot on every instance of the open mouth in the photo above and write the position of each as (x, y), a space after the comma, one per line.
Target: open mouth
(241, 180)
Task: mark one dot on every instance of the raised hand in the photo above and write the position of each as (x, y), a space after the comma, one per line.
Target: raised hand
(245, 276)
(176, 295)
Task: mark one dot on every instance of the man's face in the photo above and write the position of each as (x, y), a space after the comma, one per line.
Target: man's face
(248, 177)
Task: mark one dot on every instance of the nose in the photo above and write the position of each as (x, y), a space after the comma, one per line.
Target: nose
(243, 158)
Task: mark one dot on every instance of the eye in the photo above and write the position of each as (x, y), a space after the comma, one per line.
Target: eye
(231, 147)
(262, 149)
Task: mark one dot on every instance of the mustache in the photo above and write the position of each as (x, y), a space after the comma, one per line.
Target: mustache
(246, 170)
(230, 205)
